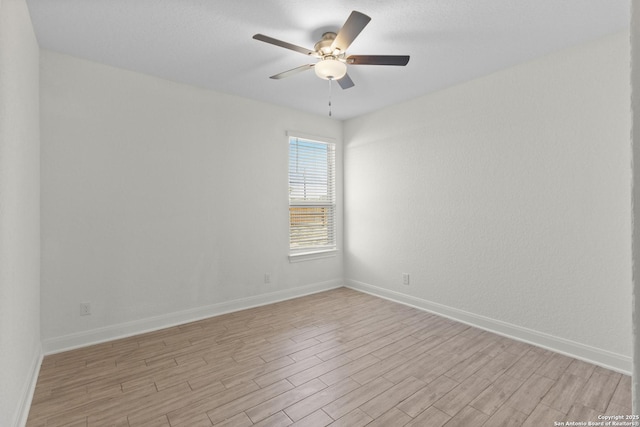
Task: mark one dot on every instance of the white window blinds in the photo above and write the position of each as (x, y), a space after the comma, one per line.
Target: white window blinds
(312, 199)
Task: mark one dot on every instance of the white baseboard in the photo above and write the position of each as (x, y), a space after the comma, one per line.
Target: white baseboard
(606, 359)
(29, 388)
(122, 330)
(609, 360)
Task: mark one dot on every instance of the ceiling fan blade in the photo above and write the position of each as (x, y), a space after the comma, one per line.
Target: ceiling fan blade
(352, 27)
(346, 82)
(378, 59)
(285, 45)
(292, 71)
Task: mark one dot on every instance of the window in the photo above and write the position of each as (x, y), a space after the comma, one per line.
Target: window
(312, 196)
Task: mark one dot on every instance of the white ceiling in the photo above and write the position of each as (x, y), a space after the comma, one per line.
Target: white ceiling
(209, 43)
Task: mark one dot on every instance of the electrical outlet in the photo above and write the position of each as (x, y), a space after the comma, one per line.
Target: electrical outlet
(405, 279)
(85, 308)
(267, 278)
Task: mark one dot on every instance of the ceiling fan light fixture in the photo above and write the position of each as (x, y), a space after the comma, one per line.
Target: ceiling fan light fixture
(331, 52)
(330, 69)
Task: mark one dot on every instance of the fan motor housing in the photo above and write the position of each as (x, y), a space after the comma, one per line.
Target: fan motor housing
(323, 47)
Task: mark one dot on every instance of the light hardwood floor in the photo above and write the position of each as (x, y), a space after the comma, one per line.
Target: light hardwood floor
(340, 358)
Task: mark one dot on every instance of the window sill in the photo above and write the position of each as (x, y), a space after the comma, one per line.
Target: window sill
(308, 256)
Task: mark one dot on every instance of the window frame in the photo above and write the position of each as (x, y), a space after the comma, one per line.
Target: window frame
(314, 251)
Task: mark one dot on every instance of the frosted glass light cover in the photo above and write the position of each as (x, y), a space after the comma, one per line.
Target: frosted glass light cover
(330, 69)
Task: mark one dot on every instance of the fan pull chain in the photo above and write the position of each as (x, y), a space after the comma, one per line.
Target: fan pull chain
(330, 80)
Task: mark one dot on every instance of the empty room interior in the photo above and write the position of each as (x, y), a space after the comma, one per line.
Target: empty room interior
(423, 218)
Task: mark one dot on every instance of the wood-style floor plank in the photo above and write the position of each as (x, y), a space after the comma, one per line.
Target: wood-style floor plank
(340, 358)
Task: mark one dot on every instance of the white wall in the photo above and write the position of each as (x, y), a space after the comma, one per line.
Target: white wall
(19, 212)
(506, 199)
(162, 200)
(635, 135)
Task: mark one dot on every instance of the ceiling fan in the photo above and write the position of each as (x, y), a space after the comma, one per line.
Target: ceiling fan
(331, 51)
